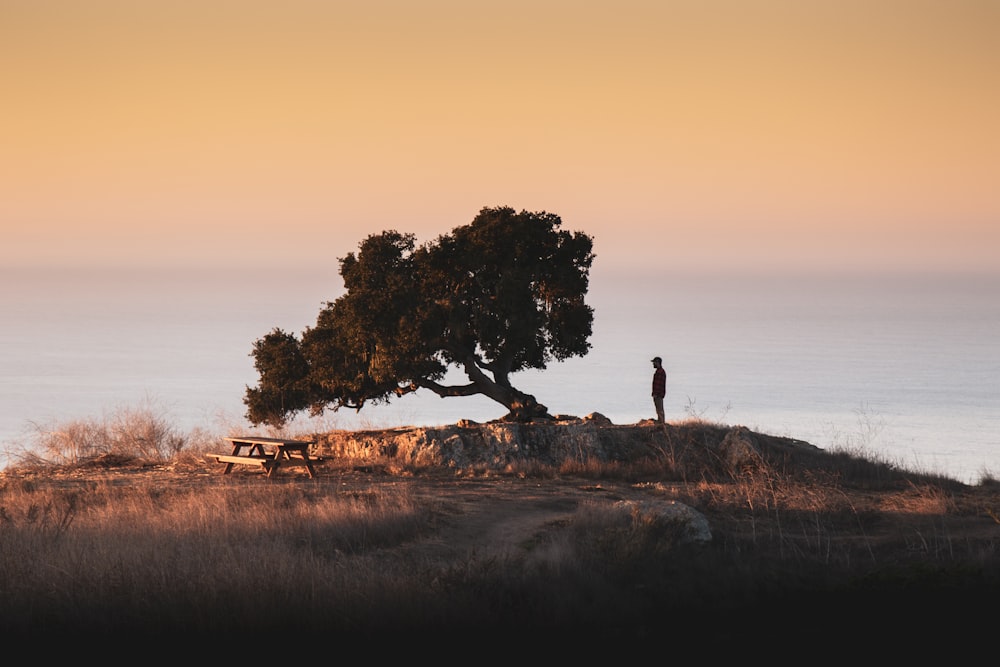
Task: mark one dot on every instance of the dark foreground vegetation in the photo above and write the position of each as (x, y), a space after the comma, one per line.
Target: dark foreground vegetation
(808, 549)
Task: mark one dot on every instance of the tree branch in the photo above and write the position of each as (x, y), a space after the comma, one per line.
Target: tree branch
(449, 390)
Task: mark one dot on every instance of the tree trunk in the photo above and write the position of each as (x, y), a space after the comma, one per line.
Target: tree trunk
(524, 408)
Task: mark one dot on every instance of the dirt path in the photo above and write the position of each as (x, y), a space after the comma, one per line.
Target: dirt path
(495, 516)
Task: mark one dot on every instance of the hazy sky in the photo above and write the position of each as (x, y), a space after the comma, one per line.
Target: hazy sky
(732, 133)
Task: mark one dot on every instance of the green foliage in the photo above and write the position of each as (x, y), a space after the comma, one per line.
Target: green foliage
(500, 295)
(283, 371)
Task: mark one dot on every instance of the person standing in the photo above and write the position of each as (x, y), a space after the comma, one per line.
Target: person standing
(659, 387)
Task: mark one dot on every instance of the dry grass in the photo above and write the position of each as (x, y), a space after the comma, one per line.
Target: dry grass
(372, 549)
(129, 431)
(139, 556)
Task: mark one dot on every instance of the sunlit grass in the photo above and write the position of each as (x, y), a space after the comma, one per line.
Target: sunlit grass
(91, 553)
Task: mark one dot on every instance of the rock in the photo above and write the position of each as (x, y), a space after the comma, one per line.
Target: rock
(692, 525)
(495, 444)
(597, 418)
(500, 445)
(739, 449)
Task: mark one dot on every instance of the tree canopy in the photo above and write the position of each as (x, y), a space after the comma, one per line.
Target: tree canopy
(500, 295)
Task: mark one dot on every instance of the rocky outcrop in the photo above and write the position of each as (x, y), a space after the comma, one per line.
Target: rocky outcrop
(498, 445)
(495, 444)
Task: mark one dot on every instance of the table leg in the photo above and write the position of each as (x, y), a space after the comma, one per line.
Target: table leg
(236, 452)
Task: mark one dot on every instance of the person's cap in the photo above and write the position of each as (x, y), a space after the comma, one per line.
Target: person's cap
(657, 360)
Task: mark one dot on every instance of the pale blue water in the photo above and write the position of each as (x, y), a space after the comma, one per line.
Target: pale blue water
(904, 366)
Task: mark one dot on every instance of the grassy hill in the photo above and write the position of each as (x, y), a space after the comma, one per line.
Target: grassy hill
(505, 533)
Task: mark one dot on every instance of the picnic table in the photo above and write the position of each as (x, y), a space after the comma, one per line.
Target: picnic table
(268, 453)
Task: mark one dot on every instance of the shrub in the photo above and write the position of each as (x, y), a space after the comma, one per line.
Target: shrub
(130, 432)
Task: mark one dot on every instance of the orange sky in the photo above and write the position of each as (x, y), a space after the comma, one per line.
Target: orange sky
(698, 133)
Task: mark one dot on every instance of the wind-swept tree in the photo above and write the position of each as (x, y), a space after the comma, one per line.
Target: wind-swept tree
(500, 295)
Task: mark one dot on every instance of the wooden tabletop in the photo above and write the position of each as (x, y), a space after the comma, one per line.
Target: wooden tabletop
(253, 440)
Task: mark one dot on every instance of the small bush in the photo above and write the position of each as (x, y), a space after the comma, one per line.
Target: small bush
(130, 432)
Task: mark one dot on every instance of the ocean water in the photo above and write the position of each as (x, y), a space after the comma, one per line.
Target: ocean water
(906, 367)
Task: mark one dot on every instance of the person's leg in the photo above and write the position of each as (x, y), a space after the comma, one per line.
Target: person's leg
(658, 404)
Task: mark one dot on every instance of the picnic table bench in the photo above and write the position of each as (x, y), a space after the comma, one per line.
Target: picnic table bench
(268, 453)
